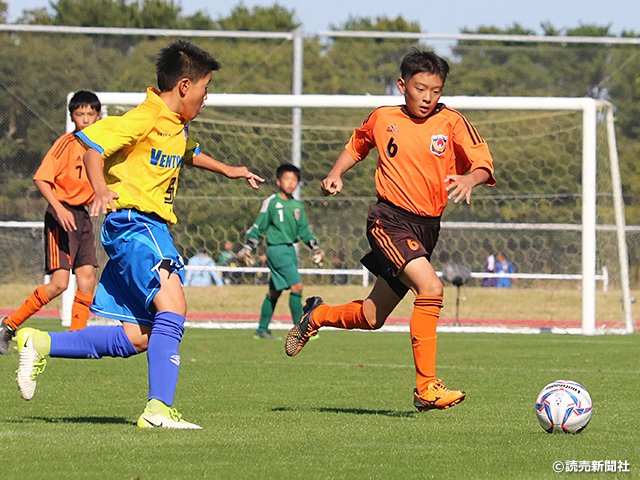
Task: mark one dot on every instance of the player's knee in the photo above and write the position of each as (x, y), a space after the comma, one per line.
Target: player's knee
(297, 288)
(432, 287)
(139, 342)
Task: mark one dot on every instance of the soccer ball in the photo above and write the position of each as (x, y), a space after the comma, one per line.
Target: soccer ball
(564, 406)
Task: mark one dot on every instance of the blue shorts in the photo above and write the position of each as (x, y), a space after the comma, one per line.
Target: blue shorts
(138, 245)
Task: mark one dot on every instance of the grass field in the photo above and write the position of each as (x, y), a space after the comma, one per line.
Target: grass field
(476, 303)
(340, 409)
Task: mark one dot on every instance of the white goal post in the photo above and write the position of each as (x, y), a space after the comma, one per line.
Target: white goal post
(590, 109)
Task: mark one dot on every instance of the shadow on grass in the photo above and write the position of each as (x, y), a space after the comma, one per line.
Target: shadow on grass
(353, 411)
(96, 420)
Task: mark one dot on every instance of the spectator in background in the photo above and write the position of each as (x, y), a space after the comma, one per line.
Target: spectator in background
(202, 278)
(489, 267)
(227, 254)
(338, 263)
(504, 266)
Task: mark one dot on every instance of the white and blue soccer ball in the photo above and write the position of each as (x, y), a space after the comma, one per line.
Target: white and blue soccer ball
(564, 406)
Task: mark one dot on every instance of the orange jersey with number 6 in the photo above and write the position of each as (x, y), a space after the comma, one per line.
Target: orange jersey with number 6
(63, 168)
(416, 154)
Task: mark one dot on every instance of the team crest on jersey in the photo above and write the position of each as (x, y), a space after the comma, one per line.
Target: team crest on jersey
(393, 128)
(438, 144)
(296, 212)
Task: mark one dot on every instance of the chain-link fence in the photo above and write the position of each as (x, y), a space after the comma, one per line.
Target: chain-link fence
(537, 154)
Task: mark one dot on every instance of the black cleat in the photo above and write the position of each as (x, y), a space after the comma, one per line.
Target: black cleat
(301, 332)
(6, 334)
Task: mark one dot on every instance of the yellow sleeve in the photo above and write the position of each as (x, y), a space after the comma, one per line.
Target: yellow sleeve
(111, 134)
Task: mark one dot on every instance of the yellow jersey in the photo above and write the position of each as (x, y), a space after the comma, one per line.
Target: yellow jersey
(143, 151)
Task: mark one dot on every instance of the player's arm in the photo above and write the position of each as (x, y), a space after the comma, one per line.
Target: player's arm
(65, 217)
(460, 186)
(104, 197)
(332, 185)
(254, 234)
(205, 161)
(473, 156)
(304, 232)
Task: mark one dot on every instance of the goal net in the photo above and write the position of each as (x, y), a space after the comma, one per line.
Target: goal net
(556, 213)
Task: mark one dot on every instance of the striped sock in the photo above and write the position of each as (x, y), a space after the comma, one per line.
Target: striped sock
(349, 316)
(80, 310)
(424, 340)
(31, 305)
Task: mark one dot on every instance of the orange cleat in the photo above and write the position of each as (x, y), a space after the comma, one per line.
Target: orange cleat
(437, 396)
(301, 332)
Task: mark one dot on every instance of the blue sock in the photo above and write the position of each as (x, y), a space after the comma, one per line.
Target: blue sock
(162, 354)
(92, 342)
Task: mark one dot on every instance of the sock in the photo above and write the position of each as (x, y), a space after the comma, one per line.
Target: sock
(349, 316)
(162, 354)
(424, 340)
(92, 342)
(268, 306)
(295, 306)
(80, 310)
(31, 305)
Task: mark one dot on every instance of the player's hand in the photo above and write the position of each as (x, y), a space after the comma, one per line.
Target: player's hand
(244, 256)
(460, 187)
(243, 172)
(331, 185)
(66, 220)
(318, 256)
(103, 203)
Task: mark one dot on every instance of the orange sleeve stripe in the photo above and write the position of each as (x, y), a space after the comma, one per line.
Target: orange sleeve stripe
(476, 138)
(54, 251)
(387, 245)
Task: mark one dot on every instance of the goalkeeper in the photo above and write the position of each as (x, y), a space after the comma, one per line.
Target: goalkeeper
(283, 218)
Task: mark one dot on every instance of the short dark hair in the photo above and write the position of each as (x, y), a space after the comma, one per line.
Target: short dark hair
(83, 98)
(287, 167)
(418, 60)
(183, 59)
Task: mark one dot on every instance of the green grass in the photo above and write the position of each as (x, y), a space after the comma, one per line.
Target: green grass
(340, 409)
(477, 303)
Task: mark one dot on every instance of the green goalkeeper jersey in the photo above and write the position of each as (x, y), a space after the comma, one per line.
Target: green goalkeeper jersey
(283, 220)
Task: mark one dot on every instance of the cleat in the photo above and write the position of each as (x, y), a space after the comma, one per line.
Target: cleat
(266, 335)
(301, 332)
(167, 417)
(437, 396)
(32, 363)
(6, 334)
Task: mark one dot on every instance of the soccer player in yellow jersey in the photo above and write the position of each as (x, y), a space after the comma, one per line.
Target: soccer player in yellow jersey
(141, 285)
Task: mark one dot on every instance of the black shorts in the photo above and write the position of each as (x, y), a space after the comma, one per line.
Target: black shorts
(68, 250)
(396, 237)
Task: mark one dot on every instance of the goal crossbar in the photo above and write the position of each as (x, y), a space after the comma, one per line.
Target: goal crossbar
(589, 108)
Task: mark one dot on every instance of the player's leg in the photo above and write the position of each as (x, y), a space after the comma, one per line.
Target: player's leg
(423, 281)
(38, 299)
(266, 313)
(83, 257)
(86, 279)
(295, 302)
(164, 360)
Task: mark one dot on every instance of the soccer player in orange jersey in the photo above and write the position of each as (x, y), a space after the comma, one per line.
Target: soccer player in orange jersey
(429, 153)
(68, 233)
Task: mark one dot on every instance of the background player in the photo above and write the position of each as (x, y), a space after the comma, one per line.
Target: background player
(141, 284)
(284, 220)
(425, 149)
(68, 233)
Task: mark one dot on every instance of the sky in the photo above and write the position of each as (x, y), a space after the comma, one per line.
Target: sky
(433, 16)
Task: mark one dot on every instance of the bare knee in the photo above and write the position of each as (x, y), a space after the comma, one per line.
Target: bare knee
(58, 284)
(138, 335)
(432, 287)
(297, 288)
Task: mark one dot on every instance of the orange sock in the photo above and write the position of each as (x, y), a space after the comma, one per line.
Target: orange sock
(424, 340)
(80, 310)
(31, 305)
(349, 316)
